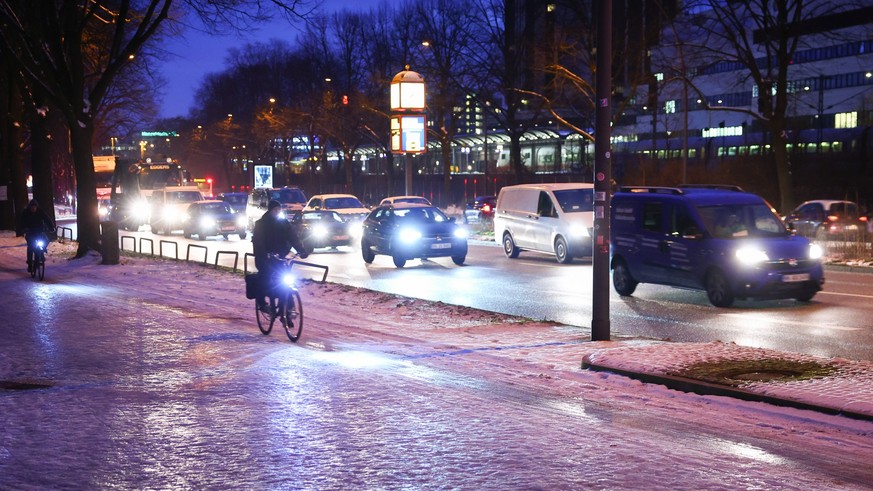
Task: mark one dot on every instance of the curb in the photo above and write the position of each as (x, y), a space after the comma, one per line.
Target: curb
(698, 387)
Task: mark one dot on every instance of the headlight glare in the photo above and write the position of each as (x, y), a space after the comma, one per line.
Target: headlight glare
(408, 235)
(319, 231)
(815, 251)
(207, 222)
(751, 256)
(579, 231)
(288, 279)
(460, 233)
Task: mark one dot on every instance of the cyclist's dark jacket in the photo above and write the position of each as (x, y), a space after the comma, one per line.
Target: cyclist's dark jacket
(273, 236)
(34, 222)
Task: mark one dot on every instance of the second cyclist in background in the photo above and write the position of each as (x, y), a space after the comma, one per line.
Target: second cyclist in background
(34, 224)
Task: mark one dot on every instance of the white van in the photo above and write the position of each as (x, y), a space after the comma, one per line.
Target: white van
(551, 218)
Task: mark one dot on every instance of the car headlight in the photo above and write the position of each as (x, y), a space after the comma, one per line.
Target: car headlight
(751, 256)
(207, 222)
(319, 231)
(282, 215)
(241, 222)
(102, 211)
(815, 251)
(460, 233)
(141, 209)
(579, 231)
(356, 228)
(409, 235)
(169, 215)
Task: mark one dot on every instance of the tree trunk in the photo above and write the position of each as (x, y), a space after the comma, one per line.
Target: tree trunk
(40, 160)
(783, 166)
(515, 156)
(86, 186)
(11, 164)
(446, 147)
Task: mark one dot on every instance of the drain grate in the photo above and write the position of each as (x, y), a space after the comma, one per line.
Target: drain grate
(13, 385)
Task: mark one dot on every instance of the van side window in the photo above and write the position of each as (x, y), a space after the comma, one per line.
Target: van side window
(545, 208)
(681, 222)
(653, 216)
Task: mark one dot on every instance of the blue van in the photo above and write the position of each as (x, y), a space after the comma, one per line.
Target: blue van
(709, 237)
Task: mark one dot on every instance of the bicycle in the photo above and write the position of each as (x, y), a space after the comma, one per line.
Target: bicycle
(40, 245)
(282, 301)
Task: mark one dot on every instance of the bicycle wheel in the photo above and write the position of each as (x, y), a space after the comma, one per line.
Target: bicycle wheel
(266, 319)
(292, 315)
(40, 267)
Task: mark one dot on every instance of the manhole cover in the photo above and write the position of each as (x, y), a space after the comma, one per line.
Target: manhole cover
(763, 376)
(13, 385)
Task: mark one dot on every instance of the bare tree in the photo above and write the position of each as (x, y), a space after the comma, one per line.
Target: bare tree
(51, 45)
(761, 36)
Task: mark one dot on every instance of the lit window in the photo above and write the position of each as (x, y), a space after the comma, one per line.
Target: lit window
(670, 107)
(846, 120)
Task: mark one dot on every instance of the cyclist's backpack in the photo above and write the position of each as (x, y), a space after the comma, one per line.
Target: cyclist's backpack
(253, 285)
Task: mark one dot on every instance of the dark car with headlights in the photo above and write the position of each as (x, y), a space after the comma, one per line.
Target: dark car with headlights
(212, 217)
(480, 209)
(236, 200)
(716, 238)
(411, 231)
(319, 229)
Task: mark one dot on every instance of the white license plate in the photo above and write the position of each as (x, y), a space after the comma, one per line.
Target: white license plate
(442, 245)
(340, 237)
(794, 278)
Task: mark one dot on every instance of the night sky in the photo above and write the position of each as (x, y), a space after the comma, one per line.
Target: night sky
(195, 55)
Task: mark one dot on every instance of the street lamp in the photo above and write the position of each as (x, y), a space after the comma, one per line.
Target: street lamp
(408, 119)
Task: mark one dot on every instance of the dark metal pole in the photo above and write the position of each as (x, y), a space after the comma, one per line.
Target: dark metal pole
(602, 173)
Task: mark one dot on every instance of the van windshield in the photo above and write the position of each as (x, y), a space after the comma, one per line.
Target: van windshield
(575, 200)
(741, 220)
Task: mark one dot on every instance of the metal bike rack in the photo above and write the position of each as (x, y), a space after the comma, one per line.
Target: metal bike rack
(151, 245)
(161, 247)
(311, 265)
(196, 246)
(233, 253)
(132, 239)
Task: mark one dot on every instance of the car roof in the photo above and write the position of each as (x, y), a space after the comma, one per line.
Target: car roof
(703, 195)
(555, 186)
(207, 201)
(402, 206)
(324, 196)
(827, 202)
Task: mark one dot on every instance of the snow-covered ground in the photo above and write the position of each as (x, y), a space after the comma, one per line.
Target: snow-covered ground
(156, 377)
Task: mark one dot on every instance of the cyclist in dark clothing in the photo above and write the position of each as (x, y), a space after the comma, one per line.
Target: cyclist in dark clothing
(273, 234)
(34, 224)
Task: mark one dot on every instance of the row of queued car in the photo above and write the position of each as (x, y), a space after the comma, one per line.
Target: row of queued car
(403, 227)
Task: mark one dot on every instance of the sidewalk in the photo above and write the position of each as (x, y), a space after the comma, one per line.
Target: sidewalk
(830, 386)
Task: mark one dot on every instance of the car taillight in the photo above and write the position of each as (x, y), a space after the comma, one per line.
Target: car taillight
(863, 219)
(833, 218)
(486, 208)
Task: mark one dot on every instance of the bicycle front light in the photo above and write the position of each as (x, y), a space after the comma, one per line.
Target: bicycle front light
(288, 279)
(40, 244)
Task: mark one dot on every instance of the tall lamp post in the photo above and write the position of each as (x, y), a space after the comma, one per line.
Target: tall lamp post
(408, 118)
